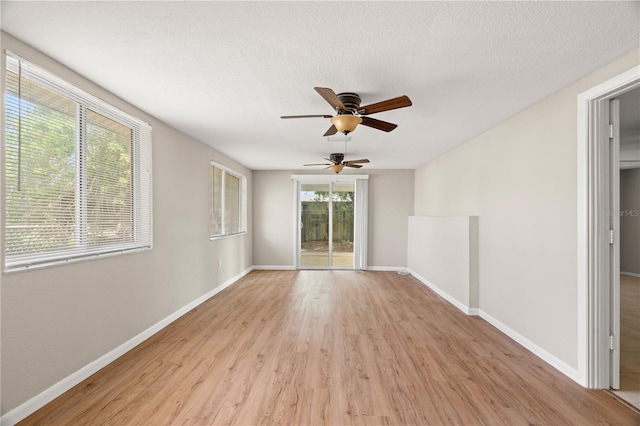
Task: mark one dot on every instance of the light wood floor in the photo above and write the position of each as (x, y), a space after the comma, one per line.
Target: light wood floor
(331, 347)
(630, 340)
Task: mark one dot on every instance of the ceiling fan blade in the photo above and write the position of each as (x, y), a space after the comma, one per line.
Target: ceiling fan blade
(318, 164)
(385, 126)
(331, 97)
(355, 166)
(389, 104)
(307, 116)
(332, 131)
(364, 160)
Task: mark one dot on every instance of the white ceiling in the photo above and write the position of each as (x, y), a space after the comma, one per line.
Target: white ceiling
(224, 72)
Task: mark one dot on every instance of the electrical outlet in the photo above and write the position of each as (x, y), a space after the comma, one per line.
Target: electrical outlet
(219, 262)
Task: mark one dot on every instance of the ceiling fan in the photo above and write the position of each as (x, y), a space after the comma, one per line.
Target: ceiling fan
(350, 113)
(338, 163)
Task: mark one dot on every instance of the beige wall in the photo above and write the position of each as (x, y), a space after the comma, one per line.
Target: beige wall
(57, 320)
(630, 221)
(273, 218)
(390, 205)
(520, 178)
(443, 254)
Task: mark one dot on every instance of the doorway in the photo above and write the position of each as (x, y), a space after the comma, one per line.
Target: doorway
(599, 234)
(628, 303)
(331, 222)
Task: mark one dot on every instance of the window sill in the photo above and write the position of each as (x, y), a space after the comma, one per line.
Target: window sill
(43, 264)
(222, 237)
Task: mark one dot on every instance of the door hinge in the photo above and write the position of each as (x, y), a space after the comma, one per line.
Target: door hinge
(611, 342)
(610, 131)
(611, 236)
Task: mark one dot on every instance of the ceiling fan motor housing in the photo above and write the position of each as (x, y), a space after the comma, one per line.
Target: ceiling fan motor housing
(336, 157)
(350, 100)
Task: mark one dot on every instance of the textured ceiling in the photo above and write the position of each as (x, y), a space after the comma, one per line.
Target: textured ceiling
(224, 72)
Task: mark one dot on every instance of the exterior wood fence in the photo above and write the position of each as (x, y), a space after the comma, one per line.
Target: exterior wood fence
(316, 221)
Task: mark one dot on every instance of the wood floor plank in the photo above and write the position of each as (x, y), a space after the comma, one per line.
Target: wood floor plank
(335, 348)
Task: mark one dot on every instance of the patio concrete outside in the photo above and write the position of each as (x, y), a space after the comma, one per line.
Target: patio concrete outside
(321, 258)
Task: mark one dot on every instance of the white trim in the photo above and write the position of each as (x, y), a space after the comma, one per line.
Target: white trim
(76, 93)
(552, 360)
(327, 178)
(222, 237)
(242, 182)
(387, 268)
(227, 169)
(296, 223)
(589, 292)
(361, 224)
(361, 190)
(274, 267)
(140, 159)
(630, 274)
(446, 296)
(22, 411)
(614, 249)
(293, 268)
(547, 357)
(61, 262)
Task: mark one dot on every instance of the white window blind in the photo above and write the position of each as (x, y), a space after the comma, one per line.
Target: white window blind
(77, 172)
(229, 198)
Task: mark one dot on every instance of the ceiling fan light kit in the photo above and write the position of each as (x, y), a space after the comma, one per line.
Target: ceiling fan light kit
(346, 123)
(337, 168)
(349, 113)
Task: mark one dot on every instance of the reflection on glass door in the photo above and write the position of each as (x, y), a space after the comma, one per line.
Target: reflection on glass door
(326, 215)
(342, 215)
(314, 221)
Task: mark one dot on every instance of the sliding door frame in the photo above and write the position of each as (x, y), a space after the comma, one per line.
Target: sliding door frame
(360, 184)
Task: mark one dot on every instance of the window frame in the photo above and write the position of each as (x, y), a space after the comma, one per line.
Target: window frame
(242, 202)
(141, 177)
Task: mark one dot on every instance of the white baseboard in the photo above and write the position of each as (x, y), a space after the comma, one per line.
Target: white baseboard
(293, 268)
(274, 267)
(386, 268)
(547, 357)
(446, 296)
(550, 359)
(630, 274)
(22, 411)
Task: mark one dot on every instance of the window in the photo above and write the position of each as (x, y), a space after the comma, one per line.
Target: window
(228, 207)
(77, 172)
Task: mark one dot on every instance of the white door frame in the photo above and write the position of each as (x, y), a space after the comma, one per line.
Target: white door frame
(360, 214)
(614, 252)
(594, 321)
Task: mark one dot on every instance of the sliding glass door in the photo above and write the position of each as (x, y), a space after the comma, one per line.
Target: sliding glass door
(342, 224)
(314, 226)
(327, 224)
